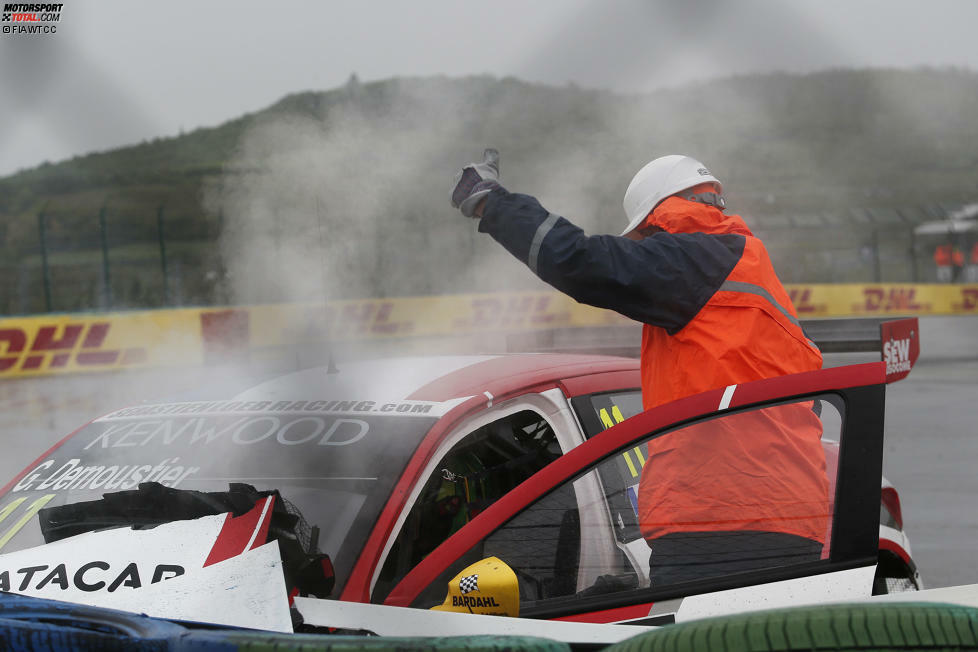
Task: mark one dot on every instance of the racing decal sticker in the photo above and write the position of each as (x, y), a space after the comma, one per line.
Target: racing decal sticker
(468, 601)
(75, 476)
(615, 417)
(232, 408)
(29, 513)
(242, 431)
(612, 418)
(901, 347)
(727, 397)
(109, 561)
(212, 568)
(468, 584)
(242, 533)
(89, 576)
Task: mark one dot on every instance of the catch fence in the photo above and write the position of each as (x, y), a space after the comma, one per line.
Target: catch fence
(125, 257)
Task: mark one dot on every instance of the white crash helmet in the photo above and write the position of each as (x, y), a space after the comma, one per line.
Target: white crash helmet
(661, 178)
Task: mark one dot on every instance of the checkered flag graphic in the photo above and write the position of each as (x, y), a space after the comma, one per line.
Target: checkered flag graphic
(468, 584)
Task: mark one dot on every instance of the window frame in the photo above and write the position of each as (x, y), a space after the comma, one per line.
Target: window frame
(585, 412)
(551, 405)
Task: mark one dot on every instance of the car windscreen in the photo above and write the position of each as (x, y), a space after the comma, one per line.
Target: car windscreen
(334, 463)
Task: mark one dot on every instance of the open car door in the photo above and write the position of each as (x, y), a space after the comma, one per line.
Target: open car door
(573, 535)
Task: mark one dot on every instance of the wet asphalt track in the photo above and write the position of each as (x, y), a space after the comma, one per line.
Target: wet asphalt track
(931, 436)
(931, 456)
(931, 449)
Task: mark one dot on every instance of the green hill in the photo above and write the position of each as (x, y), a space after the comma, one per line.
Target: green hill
(357, 179)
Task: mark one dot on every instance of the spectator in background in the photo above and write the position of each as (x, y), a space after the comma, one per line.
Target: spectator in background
(971, 271)
(942, 259)
(957, 264)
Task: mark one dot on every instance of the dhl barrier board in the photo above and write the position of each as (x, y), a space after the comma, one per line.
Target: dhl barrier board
(876, 300)
(72, 343)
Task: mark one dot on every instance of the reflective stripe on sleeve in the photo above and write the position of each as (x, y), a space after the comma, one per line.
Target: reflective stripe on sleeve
(750, 288)
(538, 237)
(757, 290)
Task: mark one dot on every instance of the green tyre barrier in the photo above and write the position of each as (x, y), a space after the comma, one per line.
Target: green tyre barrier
(897, 626)
(266, 642)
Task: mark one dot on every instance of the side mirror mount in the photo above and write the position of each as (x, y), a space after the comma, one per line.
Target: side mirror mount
(488, 587)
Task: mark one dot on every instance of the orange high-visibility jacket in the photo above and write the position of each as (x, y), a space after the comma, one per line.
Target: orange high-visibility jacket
(942, 256)
(715, 314)
(747, 330)
(758, 471)
(957, 258)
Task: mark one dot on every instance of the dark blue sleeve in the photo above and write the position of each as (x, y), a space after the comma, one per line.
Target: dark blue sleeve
(662, 280)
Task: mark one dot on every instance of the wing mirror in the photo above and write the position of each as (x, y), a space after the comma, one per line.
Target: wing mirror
(487, 587)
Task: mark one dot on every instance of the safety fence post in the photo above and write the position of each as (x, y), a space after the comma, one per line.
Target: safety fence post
(45, 271)
(914, 251)
(877, 268)
(106, 278)
(166, 280)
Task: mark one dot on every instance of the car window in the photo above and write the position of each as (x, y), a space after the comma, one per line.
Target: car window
(726, 496)
(332, 465)
(484, 465)
(599, 412)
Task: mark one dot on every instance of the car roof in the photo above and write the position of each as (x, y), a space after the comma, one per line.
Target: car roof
(433, 378)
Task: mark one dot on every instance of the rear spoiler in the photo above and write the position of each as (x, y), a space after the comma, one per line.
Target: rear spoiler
(897, 340)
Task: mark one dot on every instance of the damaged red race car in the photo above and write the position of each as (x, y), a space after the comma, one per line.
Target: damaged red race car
(495, 484)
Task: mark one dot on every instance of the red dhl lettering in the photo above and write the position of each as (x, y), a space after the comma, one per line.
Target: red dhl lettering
(53, 346)
(365, 318)
(512, 312)
(373, 317)
(802, 300)
(353, 321)
(898, 299)
(969, 301)
(227, 333)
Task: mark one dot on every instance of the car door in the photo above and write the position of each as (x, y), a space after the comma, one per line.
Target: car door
(540, 512)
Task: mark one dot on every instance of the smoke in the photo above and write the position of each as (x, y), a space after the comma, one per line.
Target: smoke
(322, 204)
(344, 194)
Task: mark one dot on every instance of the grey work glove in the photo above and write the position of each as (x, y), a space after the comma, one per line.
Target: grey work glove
(475, 181)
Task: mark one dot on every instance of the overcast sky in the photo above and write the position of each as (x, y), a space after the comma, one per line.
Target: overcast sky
(121, 71)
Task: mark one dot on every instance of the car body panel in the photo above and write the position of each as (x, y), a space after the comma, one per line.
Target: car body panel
(467, 392)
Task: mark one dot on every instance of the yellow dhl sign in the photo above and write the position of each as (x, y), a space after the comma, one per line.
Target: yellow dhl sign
(66, 343)
(825, 300)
